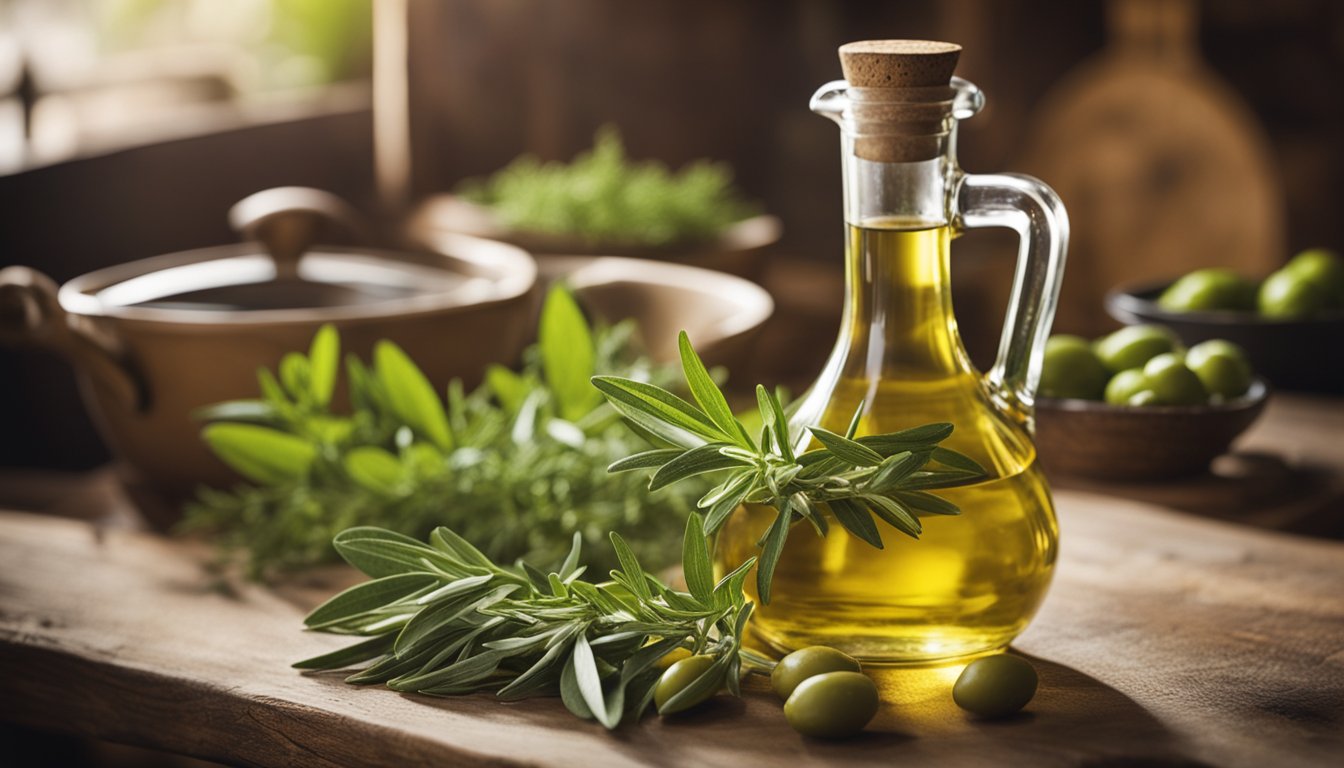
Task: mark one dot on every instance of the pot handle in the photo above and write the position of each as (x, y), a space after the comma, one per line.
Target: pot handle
(288, 221)
(31, 314)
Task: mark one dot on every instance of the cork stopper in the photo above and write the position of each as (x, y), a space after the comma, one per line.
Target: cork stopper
(900, 97)
(898, 63)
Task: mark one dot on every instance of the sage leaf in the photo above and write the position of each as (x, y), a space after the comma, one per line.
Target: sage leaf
(568, 357)
(411, 395)
(261, 454)
(324, 358)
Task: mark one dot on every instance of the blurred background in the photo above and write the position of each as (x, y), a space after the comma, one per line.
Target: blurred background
(1179, 134)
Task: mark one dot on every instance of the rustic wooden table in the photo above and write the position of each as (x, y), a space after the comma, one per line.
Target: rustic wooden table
(1167, 639)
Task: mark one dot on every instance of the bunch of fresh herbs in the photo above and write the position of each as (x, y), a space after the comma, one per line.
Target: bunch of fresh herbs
(442, 619)
(515, 466)
(603, 197)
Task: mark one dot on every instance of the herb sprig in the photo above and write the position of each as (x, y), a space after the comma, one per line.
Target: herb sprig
(859, 480)
(443, 619)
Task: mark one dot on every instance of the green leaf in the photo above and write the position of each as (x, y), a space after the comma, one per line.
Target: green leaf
(845, 449)
(907, 439)
(412, 396)
(695, 561)
(368, 596)
(772, 413)
(708, 394)
(294, 374)
(895, 514)
(894, 469)
(722, 500)
(956, 460)
(349, 655)
(324, 358)
(663, 406)
(854, 421)
(856, 520)
(375, 470)
(509, 388)
(645, 460)
(380, 552)
(589, 681)
(771, 549)
(927, 502)
(630, 566)
(696, 461)
(567, 354)
(261, 454)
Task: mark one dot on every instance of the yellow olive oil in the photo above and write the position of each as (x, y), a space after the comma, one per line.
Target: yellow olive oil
(971, 583)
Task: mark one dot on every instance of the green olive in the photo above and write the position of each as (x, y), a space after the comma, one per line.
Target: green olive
(1125, 385)
(1072, 369)
(1221, 366)
(677, 678)
(1173, 382)
(995, 686)
(1285, 294)
(1134, 345)
(1209, 289)
(808, 662)
(1322, 266)
(1142, 398)
(832, 705)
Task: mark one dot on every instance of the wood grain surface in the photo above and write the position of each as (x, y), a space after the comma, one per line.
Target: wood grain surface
(1165, 639)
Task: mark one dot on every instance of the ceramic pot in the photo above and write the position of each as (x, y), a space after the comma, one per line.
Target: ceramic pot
(154, 340)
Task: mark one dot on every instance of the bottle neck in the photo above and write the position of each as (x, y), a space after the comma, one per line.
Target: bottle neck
(898, 320)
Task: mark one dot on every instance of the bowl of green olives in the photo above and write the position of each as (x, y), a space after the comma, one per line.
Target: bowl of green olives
(1288, 324)
(1138, 404)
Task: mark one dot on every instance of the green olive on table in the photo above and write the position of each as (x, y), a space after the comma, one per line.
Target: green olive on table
(1209, 289)
(808, 662)
(1172, 381)
(1221, 366)
(677, 678)
(1134, 345)
(1072, 369)
(832, 705)
(995, 686)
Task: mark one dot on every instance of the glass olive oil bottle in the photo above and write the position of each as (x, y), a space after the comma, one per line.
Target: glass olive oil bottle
(972, 582)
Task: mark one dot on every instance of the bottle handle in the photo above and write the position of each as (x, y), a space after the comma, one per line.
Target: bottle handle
(1029, 207)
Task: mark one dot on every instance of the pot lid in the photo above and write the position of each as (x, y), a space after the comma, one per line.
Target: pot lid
(282, 278)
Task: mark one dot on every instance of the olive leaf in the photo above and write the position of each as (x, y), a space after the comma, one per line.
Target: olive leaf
(441, 619)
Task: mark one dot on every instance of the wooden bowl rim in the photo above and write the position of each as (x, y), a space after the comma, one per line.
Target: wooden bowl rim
(1134, 301)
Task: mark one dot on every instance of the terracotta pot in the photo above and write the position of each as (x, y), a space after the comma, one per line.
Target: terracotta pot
(156, 339)
(739, 250)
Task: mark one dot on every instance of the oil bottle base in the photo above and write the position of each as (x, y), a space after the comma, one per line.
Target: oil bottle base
(932, 646)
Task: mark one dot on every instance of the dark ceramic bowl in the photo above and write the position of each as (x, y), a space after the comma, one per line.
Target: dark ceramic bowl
(1091, 439)
(1300, 354)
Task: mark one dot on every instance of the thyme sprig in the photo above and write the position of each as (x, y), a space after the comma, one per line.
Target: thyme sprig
(443, 619)
(859, 480)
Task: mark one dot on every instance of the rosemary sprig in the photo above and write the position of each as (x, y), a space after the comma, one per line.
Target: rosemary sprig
(857, 479)
(443, 619)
